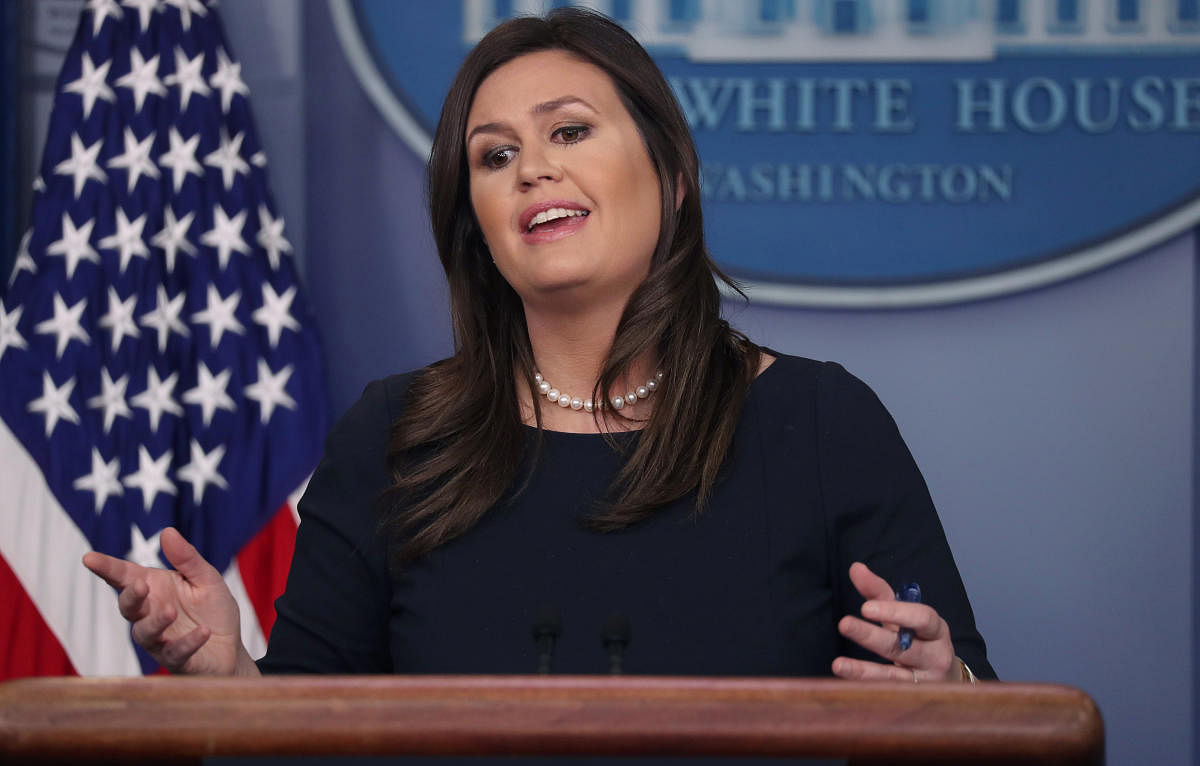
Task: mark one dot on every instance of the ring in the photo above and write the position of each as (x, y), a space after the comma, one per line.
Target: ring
(914, 672)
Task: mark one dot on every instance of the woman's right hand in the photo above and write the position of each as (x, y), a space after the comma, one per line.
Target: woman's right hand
(187, 619)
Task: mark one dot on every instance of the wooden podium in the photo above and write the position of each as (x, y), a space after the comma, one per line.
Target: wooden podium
(183, 720)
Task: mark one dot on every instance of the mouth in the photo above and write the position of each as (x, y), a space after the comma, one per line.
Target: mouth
(551, 220)
(548, 212)
(554, 215)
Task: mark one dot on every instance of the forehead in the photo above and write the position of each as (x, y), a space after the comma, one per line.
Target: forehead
(526, 81)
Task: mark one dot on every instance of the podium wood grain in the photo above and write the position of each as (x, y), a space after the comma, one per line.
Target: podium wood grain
(181, 720)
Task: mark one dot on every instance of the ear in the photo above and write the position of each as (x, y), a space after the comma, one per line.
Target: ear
(678, 191)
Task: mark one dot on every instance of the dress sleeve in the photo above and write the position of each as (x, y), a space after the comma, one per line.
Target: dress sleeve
(879, 511)
(333, 616)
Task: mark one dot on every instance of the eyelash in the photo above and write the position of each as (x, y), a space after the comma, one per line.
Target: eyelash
(488, 159)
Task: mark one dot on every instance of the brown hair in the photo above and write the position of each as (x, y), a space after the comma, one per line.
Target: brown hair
(451, 462)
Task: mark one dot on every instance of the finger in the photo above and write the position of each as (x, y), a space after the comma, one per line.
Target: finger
(148, 631)
(881, 641)
(860, 670)
(176, 653)
(869, 585)
(116, 572)
(186, 559)
(921, 618)
(133, 601)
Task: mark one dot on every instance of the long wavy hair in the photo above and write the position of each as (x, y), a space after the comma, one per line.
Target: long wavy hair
(454, 455)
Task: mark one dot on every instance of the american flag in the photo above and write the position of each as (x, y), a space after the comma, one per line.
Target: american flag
(158, 365)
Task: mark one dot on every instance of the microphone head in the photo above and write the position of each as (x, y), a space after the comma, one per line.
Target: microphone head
(548, 622)
(616, 630)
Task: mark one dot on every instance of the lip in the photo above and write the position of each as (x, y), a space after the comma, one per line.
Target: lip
(538, 207)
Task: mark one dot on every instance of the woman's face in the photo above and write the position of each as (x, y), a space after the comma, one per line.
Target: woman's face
(561, 182)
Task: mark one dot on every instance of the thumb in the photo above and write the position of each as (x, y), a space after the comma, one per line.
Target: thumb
(186, 559)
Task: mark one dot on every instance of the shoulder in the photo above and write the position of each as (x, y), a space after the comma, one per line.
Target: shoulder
(359, 439)
(818, 396)
(798, 378)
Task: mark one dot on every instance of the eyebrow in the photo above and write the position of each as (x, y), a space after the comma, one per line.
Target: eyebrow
(543, 108)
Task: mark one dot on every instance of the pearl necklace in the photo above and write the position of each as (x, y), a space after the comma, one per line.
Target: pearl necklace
(587, 405)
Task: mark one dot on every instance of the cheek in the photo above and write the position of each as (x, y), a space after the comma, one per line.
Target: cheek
(487, 213)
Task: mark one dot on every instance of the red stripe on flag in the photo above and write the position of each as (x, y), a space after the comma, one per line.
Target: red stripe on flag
(31, 648)
(264, 564)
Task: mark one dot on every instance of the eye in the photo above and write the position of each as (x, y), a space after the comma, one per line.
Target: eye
(494, 159)
(570, 134)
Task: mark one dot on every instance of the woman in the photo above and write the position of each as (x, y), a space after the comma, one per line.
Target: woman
(601, 441)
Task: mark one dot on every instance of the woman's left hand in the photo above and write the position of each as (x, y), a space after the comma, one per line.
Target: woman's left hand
(931, 656)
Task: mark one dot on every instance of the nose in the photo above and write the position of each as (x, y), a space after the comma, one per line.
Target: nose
(535, 165)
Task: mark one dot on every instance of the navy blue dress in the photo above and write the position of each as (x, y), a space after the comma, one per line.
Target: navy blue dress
(818, 478)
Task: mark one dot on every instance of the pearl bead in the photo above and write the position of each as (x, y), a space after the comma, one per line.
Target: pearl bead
(642, 392)
(552, 394)
(651, 385)
(658, 375)
(564, 400)
(618, 402)
(631, 398)
(577, 403)
(537, 377)
(543, 387)
(589, 405)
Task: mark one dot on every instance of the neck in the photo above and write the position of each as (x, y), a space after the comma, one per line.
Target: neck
(569, 351)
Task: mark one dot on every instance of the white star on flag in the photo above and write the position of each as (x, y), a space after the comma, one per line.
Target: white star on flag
(151, 477)
(275, 313)
(55, 402)
(157, 399)
(226, 235)
(270, 236)
(10, 337)
(202, 471)
(24, 261)
(82, 164)
(186, 9)
(64, 325)
(128, 239)
(91, 85)
(101, 10)
(181, 158)
(228, 79)
(136, 159)
(219, 315)
(144, 9)
(119, 318)
(142, 78)
(112, 399)
(270, 390)
(173, 237)
(164, 317)
(228, 159)
(187, 76)
(74, 245)
(144, 551)
(102, 481)
(209, 393)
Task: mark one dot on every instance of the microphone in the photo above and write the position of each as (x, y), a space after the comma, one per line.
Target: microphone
(547, 626)
(615, 637)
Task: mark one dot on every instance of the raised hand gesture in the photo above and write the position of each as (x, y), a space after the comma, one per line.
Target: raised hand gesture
(186, 619)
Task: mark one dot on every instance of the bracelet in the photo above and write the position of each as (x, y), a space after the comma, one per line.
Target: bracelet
(967, 675)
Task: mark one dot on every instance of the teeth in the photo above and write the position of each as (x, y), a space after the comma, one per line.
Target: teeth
(554, 214)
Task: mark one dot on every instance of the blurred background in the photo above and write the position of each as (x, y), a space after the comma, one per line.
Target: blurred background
(1056, 426)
